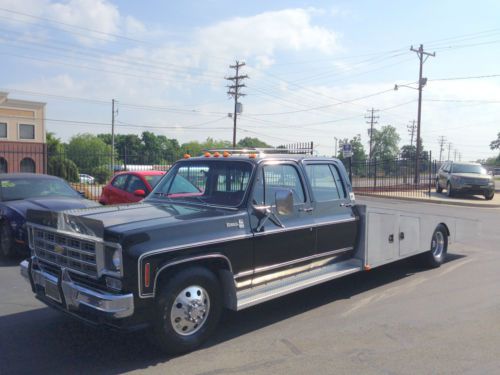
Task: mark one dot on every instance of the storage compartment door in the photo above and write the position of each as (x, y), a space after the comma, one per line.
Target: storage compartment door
(409, 235)
(382, 243)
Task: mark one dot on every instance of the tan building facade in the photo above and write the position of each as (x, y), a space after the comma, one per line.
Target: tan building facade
(22, 135)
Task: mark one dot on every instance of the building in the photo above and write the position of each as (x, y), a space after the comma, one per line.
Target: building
(22, 135)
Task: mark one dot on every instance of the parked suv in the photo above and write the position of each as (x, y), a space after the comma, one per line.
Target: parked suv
(469, 178)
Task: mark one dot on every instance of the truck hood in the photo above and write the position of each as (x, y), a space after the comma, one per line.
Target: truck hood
(48, 203)
(472, 175)
(124, 218)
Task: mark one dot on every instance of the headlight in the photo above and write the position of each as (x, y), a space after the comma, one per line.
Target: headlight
(113, 261)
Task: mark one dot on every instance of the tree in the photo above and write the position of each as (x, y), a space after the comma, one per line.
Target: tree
(64, 168)
(195, 148)
(358, 150)
(252, 142)
(89, 152)
(54, 144)
(495, 145)
(385, 143)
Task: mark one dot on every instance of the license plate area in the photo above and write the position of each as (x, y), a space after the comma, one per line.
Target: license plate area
(52, 291)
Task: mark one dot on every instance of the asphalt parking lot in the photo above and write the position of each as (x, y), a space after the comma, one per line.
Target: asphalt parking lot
(397, 319)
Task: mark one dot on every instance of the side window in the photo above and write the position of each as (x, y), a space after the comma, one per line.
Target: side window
(338, 181)
(119, 181)
(324, 184)
(282, 176)
(135, 183)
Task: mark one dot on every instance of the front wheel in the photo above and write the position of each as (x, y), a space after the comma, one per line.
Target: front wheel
(489, 196)
(439, 247)
(188, 310)
(439, 189)
(6, 240)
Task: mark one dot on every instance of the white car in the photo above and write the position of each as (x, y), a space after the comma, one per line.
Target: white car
(86, 179)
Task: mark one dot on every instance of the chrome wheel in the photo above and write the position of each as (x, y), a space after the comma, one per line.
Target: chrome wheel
(189, 310)
(438, 244)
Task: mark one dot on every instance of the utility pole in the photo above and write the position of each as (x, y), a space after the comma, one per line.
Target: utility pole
(114, 112)
(441, 141)
(234, 91)
(449, 150)
(421, 83)
(455, 157)
(411, 131)
(372, 121)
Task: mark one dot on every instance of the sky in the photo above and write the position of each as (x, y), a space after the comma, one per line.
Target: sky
(314, 68)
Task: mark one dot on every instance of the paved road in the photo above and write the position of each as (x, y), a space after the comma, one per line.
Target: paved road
(398, 319)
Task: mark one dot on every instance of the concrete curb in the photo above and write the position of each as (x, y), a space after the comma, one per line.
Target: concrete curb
(433, 201)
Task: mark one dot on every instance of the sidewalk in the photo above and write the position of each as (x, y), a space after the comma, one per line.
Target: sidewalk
(465, 200)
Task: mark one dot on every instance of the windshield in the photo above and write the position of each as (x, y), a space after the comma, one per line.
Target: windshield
(214, 183)
(22, 188)
(153, 180)
(468, 168)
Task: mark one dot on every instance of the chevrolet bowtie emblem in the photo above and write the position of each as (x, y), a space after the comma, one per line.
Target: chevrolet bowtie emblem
(58, 249)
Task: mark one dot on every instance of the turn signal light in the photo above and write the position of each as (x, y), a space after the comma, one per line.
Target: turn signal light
(147, 275)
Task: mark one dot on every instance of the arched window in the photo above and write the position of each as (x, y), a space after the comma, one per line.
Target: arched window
(4, 167)
(27, 165)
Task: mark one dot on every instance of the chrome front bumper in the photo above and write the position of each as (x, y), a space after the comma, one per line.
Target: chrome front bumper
(74, 296)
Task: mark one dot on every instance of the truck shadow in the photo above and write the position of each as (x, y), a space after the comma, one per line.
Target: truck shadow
(45, 341)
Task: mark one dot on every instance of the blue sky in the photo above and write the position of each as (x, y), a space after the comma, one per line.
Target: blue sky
(314, 67)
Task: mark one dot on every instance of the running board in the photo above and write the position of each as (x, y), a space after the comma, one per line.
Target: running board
(275, 289)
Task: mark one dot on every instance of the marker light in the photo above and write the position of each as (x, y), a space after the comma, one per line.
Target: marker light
(216, 154)
(187, 156)
(252, 156)
(207, 154)
(226, 154)
(146, 275)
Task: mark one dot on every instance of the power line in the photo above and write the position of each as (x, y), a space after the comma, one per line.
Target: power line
(463, 78)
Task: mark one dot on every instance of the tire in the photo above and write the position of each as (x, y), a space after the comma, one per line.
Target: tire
(449, 190)
(6, 240)
(439, 189)
(439, 248)
(193, 292)
(489, 196)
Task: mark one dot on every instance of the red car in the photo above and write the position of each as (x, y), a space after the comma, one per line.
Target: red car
(129, 187)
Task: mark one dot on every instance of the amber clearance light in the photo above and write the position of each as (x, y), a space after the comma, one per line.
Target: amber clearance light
(226, 154)
(207, 154)
(187, 156)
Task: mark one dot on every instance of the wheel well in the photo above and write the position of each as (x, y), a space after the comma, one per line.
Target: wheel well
(219, 266)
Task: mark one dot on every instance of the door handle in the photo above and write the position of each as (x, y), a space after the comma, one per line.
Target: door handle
(306, 209)
(401, 235)
(391, 238)
(346, 205)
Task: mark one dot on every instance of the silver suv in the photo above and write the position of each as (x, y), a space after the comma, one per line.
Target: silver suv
(467, 178)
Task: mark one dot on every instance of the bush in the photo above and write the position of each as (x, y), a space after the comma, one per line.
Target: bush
(102, 174)
(64, 168)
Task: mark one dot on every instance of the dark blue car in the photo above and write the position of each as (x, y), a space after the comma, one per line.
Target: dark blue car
(20, 192)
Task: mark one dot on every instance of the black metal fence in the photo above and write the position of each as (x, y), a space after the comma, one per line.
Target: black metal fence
(393, 177)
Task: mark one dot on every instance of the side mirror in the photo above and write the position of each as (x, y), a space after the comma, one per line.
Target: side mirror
(140, 193)
(82, 193)
(284, 202)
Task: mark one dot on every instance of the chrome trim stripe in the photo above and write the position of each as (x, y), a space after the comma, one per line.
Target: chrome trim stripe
(300, 260)
(243, 274)
(192, 259)
(312, 225)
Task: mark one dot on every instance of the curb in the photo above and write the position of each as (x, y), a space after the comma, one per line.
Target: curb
(450, 203)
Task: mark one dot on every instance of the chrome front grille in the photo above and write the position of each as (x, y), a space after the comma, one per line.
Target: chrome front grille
(65, 251)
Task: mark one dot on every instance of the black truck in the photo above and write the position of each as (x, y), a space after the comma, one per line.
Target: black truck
(220, 231)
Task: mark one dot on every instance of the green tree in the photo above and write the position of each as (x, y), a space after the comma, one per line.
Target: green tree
(495, 145)
(358, 150)
(195, 148)
(64, 168)
(88, 152)
(252, 142)
(54, 144)
(385, 143)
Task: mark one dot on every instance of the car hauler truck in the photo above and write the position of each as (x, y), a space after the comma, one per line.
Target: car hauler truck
(227, 230)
